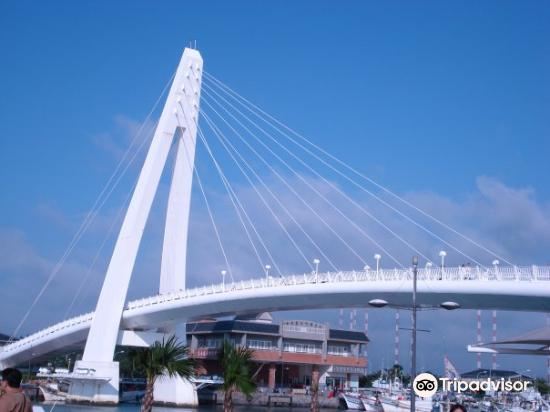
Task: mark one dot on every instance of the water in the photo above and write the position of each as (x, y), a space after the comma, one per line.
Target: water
(135, 408)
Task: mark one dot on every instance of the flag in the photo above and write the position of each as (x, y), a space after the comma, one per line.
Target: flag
(450, 370)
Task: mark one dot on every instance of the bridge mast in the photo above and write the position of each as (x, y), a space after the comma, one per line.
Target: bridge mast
(177, 125)
(174, 250)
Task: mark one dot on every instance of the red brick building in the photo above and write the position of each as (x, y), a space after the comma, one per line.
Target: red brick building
(286, 355)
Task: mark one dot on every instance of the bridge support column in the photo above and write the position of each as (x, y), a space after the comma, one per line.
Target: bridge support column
(95, 382)
(175, 392)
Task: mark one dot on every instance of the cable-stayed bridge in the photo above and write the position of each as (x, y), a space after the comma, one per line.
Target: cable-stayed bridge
(116, 321)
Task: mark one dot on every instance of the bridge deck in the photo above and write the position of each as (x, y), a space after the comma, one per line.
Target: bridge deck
(508, 288)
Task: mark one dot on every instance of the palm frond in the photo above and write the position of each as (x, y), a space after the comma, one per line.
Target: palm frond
(236, 364)
(167, 357)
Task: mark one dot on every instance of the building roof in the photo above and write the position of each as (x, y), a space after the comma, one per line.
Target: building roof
(226, 326)
(539, 339)
(539, 336)
(493, 373)
(351, 335)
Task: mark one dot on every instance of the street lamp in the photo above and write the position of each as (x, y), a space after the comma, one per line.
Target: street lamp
(377, 257)
(378, 303)
(448, 305)
(495, 264)
(316, 263)
(442, 255)
(413, 360)
(267, 267)
(223, 272)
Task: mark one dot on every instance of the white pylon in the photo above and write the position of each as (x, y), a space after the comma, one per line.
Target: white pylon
(177, 121)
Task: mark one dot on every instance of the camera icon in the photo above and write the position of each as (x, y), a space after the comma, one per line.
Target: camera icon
(425, 385)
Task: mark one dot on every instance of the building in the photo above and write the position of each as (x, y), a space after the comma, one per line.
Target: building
(285, 355)
(494, 374)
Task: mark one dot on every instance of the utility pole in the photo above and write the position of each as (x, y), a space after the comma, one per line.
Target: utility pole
(413, 360)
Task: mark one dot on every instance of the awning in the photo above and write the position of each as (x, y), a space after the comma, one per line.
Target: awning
(535, 342)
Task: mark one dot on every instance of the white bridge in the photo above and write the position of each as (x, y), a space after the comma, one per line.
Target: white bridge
(508, 288)
(140, 322)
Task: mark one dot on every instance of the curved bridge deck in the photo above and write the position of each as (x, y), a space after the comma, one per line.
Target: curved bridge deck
(504, 288)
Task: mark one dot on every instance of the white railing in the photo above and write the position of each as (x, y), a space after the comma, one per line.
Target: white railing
(435, 274)
(28, 341)
(462, 273)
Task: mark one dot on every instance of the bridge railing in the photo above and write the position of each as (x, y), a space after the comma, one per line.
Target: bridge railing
(462, 273)
(29, 340)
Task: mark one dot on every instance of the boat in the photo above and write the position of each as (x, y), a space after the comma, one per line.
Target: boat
(132, 390)
(351, 400)
(372, 403)
(52, 393)
(386, 385)
(400, 403)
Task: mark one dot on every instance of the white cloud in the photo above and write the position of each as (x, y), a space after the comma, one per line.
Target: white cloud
(508, 220)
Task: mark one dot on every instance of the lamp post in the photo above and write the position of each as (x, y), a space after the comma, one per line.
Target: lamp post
(413, 344)
(448, 305)
(495, 265)
(442, 255)
(223, 272)
(377, 257)
(316, 263)
(267, 268)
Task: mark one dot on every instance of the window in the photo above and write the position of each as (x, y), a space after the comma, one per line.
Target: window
(259, 344)
(339, 350)
(301, 347)
(213, 343)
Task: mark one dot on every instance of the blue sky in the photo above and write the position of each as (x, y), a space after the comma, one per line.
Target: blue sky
(444, 102)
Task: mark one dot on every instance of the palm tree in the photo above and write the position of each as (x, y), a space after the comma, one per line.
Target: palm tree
(236, 364)
(168, 357)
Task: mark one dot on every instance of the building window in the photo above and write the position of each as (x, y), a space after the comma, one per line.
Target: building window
(211, 343)
(301, 347)
(339, 350)
(260, 344)
(304, 327)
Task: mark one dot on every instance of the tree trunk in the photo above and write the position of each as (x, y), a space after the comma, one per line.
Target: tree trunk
(315, 389)
(315, 397)
(148, 398)
(228, 401)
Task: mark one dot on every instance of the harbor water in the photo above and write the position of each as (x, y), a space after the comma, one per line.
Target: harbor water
(135, 408)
